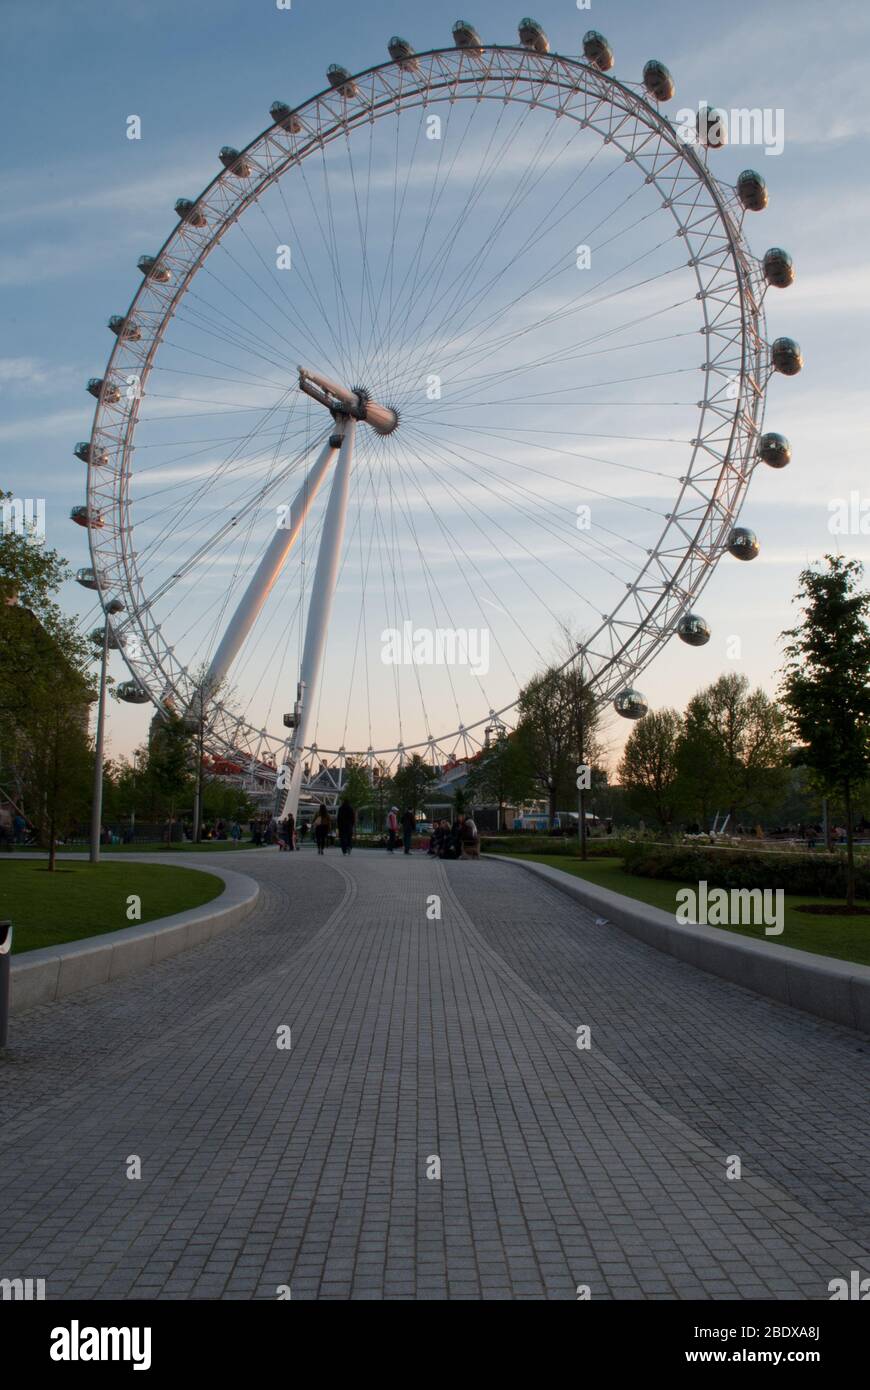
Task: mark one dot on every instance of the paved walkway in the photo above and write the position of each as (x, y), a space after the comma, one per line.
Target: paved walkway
(415, 1038)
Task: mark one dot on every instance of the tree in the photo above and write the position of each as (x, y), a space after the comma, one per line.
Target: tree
(170, 759)
(556, 730)
(649, 769)
(502, 774)
(411, 783)
(734, 750)
(356, 786)
(826, 683)
(45, 690)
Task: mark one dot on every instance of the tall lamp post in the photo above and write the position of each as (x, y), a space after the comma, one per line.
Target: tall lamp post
(113, 606)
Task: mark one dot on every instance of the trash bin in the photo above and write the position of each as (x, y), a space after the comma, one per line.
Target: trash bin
(5, 958)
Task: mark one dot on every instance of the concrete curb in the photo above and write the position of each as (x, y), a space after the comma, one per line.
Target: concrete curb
(833, 989)
(54, 972)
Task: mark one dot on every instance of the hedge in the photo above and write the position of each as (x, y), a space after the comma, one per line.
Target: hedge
(820, 875)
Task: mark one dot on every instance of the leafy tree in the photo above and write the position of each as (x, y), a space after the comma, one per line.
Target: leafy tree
(357, 787)
(734, 750)
(170, 759)
(826, 683)
(411, 783)
(649, 769)
(502, 774)
(557, 729)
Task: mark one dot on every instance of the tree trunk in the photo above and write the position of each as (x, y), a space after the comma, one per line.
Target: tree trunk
(850, 850)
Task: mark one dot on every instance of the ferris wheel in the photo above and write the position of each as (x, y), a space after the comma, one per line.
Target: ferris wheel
(466, 350)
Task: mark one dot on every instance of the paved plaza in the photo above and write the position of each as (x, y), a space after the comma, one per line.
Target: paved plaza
(426, 1045)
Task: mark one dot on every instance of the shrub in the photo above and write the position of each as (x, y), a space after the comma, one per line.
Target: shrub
(818, 875)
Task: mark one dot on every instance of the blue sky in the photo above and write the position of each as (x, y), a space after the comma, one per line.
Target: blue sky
(82, 202)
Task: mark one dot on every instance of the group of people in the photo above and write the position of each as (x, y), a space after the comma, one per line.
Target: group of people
(12, 826)
(284, 833)
(461, 840)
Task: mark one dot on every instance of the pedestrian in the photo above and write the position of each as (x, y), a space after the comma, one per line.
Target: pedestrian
(469, 838)
(303, 831)
(235, 833)
(322, 827)
(19, 825)
(409, 825)
(5, 827)
(346, 819)
(393, 828)
(291, 831)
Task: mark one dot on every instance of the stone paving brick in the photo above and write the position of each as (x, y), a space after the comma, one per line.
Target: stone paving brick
(415, 1038)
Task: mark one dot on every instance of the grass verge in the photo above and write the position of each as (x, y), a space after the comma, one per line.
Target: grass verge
(80, 900)
(845, 938)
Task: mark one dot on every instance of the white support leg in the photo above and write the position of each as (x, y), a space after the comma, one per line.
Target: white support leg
(266, 574)
(319, 610)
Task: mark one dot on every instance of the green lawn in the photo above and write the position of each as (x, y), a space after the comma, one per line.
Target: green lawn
(89, 899)
(846, 938)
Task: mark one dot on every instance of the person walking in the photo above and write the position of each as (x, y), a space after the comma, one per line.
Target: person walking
(393, 828)
(322, 827)
(409, 825)
(346, 820)
(469, 838)
(291, 831)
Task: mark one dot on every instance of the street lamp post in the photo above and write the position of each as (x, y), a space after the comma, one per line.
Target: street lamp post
(113, 606)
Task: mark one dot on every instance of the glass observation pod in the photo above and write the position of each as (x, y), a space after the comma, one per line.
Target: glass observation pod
(234, 162)
(532, 36)
(82, 517)
(658, 80)
(774, 449)
(124, 328)
(631, 704)
(132, 693)
(743, 543)
(190, 212)
(84, 452)
(597, 51)
(778, 268)
(693, 630)
(786, 356)
(339, 78)
(752, 190)
(285, 117)
(402, 53)
(466, 36)
(153, 270)
(712, 127)
(87, 577)
(101, 389)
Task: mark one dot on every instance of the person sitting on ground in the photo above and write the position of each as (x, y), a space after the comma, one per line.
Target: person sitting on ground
(469, 838)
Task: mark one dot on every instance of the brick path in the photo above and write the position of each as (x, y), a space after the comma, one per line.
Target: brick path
(414, 1039)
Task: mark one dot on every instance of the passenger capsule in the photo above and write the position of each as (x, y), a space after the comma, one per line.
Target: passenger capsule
(786, 356)
(658, 80)
(339, 78)
(631, 704)
(191, 213)
(152, 269)
(712, 127)
(84, 452)
(82, 517)
(532, 36)
(597, 51)
(774, 449)
(402, 53)
(743, 543)
(752, 190)
(466, 36)
(778, 268)
(693, 630)
(87, 578)
(132, 693)
(234, 162)
(124, 328)
(285, 117)
(107, 391)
